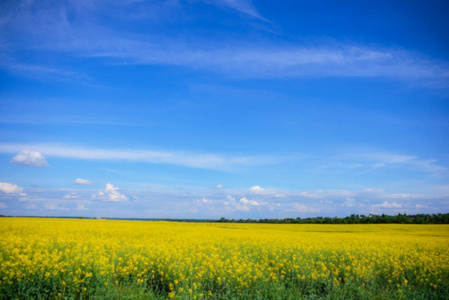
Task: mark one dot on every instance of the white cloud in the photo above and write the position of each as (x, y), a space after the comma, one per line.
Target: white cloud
(268, 61)
(421, 206)
(3, 205)
(9, 188)
(242, 208)
(193, 160)
(218, 187)
(81, 205)
(230, 200)
(326, 201)
(245, 201)
(71, 196)
(234, 204)
(336, 202)
(385, 204)
(110, 193)
(404, 196)
(203, 201)
(29, 158)
(299, 207)
(80, 181)
(55, 207)
(242, 205)
(309, 194)
(272, 61)
(256, 189)
(350, 202)
(31, 206)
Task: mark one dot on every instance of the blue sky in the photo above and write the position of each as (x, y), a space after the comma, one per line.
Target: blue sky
(223, 108)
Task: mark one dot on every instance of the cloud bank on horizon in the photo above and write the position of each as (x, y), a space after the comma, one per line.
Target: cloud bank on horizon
(217, 203)
(211, 108)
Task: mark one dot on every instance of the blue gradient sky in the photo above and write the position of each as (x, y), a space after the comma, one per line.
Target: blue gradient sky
(241, 109)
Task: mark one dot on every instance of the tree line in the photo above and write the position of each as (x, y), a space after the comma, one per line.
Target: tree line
(355, 219)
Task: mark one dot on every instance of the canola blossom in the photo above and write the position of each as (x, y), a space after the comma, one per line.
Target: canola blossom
(75, 259)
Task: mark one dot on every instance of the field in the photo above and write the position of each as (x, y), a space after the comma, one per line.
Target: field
(77, 259)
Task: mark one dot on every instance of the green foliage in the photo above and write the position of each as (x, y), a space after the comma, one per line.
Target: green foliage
(355, 219)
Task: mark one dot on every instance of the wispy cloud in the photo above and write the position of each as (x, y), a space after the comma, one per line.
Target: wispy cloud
(38, 71)
(186, 159)
(82, 37)
(55, 207)
(364, 160)
(242, 6)
(58, 111)
(385, 204)
(291, 61)
(372, 160)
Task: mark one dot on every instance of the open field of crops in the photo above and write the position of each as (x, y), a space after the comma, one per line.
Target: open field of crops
(70, 258)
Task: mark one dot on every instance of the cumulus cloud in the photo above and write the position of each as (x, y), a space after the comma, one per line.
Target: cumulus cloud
(245, 201)
(9, 188)
(256, 189)
(71, 196)
(3, 205)
(229, 200)
(231, 204)
(244, 204)
(203, 201)
(218, 187)
(80, 181)
(29, 158)
(110, 193)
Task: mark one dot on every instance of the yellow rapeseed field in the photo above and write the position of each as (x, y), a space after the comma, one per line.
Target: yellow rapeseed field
(75, 259)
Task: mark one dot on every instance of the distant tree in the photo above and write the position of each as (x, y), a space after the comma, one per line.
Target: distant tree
(352, 219)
